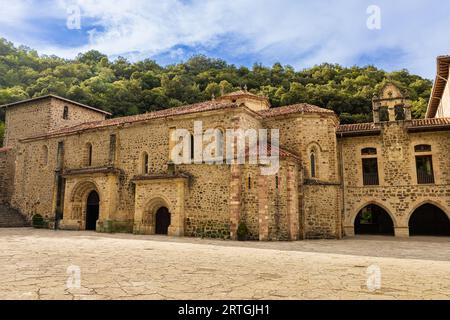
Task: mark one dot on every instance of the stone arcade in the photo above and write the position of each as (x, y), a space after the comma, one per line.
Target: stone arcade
(392, 176)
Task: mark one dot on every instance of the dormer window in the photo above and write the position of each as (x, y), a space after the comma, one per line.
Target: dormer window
(66, 113)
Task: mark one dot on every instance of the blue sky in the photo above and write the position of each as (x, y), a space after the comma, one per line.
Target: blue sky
(295, 32)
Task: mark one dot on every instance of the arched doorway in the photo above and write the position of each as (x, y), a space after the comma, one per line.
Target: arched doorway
(162, 221)
(373, 219)
(92, 210)
(429, 220)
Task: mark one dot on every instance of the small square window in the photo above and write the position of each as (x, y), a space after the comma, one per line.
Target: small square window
(66, 113)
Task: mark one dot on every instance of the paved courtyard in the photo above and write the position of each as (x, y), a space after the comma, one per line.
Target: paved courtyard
(43, 264)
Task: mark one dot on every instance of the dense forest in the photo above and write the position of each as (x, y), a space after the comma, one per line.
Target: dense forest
(126, 88)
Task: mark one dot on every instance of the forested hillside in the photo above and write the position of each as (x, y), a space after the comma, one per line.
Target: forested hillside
(126, 88)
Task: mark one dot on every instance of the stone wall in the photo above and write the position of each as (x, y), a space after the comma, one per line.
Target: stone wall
(30, 119)
(321, 214)
(39, 117)
(398, 192)
(6, 174)
(301, 133)
(216, 198)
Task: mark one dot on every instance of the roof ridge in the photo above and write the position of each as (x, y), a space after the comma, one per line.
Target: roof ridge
(181, 110)
(47, 96)
(294, 108)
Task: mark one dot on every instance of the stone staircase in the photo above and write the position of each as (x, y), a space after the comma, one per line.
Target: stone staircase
(11, 218)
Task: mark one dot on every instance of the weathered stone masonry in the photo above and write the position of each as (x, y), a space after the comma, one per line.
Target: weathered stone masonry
(60, 152)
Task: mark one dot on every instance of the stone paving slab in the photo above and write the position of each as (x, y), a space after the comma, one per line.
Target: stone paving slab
(34, 265)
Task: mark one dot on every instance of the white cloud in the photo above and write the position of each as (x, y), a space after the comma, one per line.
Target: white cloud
(300, 33)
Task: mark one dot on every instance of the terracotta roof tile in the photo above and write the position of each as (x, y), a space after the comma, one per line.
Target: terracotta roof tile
(49, 96)
(357, 127)
(5, 149)
(160, 176)
(414, 124)
(430, 122)
(241, 93)
(295, 108)
(283, 153)
(194, 108)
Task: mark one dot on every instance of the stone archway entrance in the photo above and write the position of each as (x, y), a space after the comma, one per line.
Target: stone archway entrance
(162, 221)
(429, 220)
(92, 210)
(374, 220)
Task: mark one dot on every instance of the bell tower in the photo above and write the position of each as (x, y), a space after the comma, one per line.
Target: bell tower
(252, 101)
(391, 104)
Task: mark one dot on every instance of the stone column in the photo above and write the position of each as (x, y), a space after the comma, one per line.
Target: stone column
(349, 231)
(376, 114)
(407, 108)
(391, 111)
(235, 200)
(401, 232)
(292, 203)
(263, 208)
(177, 225)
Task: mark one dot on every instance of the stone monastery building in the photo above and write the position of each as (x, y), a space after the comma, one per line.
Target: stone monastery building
(67, 162)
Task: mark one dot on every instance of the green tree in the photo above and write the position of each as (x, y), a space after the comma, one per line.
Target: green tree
(126, 88)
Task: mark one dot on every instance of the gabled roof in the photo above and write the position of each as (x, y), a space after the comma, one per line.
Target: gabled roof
(49, 96)
(442, 77)
(283, 153)
(183, 110)
(242, 94)
(295, 108)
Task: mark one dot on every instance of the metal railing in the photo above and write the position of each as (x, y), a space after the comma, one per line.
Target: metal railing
(425, 177)
(371, 179)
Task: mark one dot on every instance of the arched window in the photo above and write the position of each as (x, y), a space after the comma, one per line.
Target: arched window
(219, 145)
(312, 158)
(384, 114)
(277, 182)
(249, 182)
(192, 147)
(88, 154)
(66, 113)
(45, 155)
(145, 169)
(399, 113)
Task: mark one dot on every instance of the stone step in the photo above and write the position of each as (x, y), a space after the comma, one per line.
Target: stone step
(11, 218)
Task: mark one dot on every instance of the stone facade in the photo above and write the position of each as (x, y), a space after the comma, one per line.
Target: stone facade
(53, 164)
(6, 174)
(398, 190)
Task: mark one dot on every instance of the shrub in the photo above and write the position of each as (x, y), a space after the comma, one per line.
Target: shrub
(38, 221)
(242, 231)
